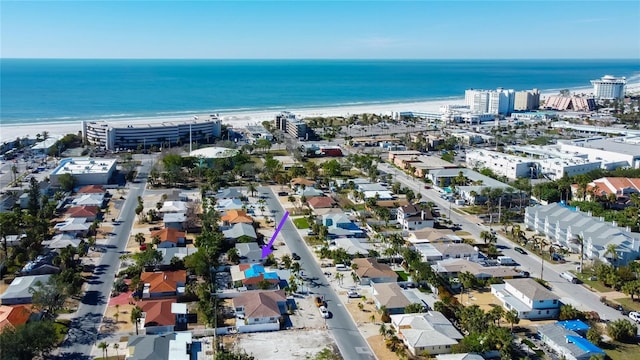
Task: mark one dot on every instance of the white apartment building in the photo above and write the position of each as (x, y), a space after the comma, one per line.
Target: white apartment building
(609, 87)
(561, 224)
(514, 167)
(119, 134)
(86, 171)
(499, 101)
(502, 164)
(527, 100)
(616, 152)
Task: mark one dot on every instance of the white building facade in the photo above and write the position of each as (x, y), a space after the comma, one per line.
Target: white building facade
(498, 101)
(86, 171)
(507, 165)
(113, 135)
(609, 87)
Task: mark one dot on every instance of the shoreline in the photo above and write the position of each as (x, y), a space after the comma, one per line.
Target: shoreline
(241, 118)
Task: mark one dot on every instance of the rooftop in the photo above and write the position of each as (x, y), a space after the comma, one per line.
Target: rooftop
(78, 166)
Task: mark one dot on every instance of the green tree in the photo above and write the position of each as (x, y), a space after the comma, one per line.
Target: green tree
(48, 297)
(233, 255)
(594, 334)
(413, 308)
(512, 318)
(136, 315)
(104, 346)
(332, 168)
(28, 341)
(67, 181)
(622, 330)
(568, 312)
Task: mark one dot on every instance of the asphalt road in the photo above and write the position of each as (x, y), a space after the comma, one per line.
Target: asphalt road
(350, 342)
(574, 294)
(83, 330)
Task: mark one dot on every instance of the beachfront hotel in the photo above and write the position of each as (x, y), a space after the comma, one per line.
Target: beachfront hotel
(609, 87)
(527, 100)
(113, 135)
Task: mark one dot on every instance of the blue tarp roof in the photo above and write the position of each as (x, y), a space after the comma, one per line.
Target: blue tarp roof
(584, 344)
(574, 325)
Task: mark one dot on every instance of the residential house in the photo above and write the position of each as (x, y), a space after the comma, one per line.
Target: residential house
(19, 292)
(430, 235)
(567, 343)
(530, 299)
(392, 205)
(175, 346)
(309, 192)
(251, 276)
(73, 226)
(13, 239)
(452, 268)
(169, 238)
(463, 356)
(169, 253)
(92, 189)
(321, 202)
(240, 232)
(353, 246)
(163, 283)
(41, 265)
(618, 188)
(411, 217)
(90, 213)
(61, 241)
(299, 182)
(250, 253)
(229, 204)
(163, 316)
(174, 220)
(92, 199)
(433, 252)
(229, 193)
(340, 225)
(172, 207)
(259, 310)
(426, 333)
(391, 296)
(233, 217)
(14, 316)
(369, 270)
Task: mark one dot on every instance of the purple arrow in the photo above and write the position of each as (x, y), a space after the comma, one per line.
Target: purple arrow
(266, 250)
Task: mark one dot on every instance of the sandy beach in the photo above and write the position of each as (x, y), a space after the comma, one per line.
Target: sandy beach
(240, 119)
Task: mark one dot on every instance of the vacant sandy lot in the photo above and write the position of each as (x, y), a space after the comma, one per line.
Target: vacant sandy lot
(290, 344)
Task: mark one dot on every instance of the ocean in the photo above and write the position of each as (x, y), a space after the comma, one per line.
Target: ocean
(57, 90)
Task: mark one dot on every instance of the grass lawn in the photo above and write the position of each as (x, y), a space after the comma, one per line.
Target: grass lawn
(462, 233)
(593, 284)
(403, 275)
(629, 305)
(622, 351)
(313, 240)
(475, 209)
(301, 223)
(62, 328)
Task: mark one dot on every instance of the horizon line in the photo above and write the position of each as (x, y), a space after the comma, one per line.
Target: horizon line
(311, 59)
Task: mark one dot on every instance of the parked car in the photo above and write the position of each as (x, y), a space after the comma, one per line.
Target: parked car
(635, 316)
(295, 256)
(353, 294)
(319, 301)
(520, 250)
(324, 312)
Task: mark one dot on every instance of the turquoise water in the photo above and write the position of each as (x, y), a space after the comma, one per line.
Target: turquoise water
(71, 90)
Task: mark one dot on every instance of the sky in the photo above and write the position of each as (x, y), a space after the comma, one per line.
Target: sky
(507, 29)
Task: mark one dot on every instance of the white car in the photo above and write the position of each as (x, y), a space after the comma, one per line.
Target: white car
(635, 316)
(324, 312)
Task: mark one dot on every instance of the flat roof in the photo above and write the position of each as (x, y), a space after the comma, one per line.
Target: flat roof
(629, 145)
(214, 152)
(77, 166)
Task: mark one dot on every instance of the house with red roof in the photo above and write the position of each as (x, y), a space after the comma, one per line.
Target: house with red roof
(88, 212)
(92, 189)
(232, 217)
(321, 202)
(14, 316)
(160, 284)
(163, 316)
(169, 237)
(619, 189)
(252, 276)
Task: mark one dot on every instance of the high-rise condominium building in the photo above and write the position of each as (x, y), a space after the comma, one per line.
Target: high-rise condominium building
(527, 100)
(498, 101)
(609, 87)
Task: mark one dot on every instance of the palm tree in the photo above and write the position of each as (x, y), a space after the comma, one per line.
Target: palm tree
(136, 315)
(612, 250)
(252, 188)
(512, 318)
(339, 277)
(383, 330)
(578, 239)
(103, 346)
(116, 346)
